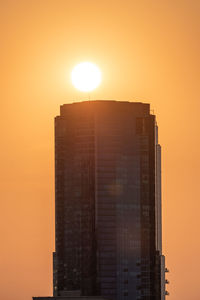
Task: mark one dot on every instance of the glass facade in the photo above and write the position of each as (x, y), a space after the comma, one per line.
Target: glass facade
(108, 201)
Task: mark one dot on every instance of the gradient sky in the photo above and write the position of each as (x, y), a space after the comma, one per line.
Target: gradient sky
(148, 50)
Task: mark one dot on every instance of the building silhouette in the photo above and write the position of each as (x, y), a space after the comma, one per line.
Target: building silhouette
(108, 202)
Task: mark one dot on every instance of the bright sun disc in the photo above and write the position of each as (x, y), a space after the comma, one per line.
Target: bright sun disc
(86, 76)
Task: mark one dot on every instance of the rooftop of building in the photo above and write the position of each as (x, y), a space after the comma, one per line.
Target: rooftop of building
(138, 108)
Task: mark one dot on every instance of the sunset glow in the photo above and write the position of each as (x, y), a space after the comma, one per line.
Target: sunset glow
(148, 52)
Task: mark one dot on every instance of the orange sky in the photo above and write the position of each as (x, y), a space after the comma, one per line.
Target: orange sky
(148, 51)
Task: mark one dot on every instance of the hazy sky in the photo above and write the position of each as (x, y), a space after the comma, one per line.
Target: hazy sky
(148, 50)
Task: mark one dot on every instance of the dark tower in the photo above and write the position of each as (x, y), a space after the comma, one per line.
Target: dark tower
(108, 202)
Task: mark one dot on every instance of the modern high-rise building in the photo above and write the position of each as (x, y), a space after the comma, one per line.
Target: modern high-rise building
(108, 202)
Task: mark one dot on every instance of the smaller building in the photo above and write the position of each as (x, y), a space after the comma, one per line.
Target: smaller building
(71, 295)
(69, 298)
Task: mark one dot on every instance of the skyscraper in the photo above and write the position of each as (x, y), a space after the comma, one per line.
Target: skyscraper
(108, 202)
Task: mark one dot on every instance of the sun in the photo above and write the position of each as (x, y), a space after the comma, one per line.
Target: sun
(86, 76)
